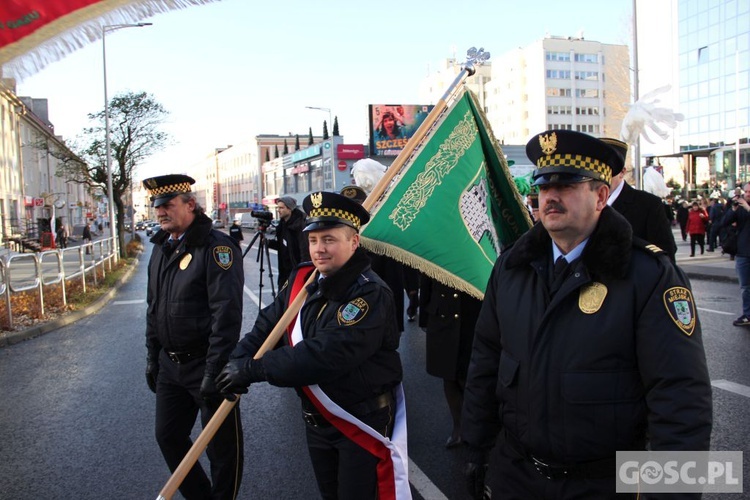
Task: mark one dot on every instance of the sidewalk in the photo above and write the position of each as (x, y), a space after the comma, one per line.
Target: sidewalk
(709, 266)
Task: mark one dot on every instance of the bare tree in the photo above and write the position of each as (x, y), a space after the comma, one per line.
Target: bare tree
(135, 120)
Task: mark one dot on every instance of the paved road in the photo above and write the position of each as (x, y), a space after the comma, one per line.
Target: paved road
(76, 417)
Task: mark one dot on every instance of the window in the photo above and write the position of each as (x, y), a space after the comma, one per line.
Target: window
(558, 74)
(703, 55)
(587, 58)
(586, 75)
(594, 93)
(557, 56)
(558, 92)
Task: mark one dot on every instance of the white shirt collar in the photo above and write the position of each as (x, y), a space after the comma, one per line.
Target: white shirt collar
(614, 194)
(570, 256)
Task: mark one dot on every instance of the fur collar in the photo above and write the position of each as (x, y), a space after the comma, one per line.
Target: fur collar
(195, 236)
(607, 254)
(335, 287)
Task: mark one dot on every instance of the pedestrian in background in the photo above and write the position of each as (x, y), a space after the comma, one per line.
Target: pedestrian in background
(86, 236)
(739, 214)
(341, 357)
(715, 216)
(235, 231)
(448, 317)
(290, 242)
(193, 321)
(682, 217)
(62, 236)
(696, 227)
(588, 341)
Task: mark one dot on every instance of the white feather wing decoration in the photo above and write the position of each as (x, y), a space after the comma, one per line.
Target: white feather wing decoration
(367, 173)
(653, 182)
(645, 114)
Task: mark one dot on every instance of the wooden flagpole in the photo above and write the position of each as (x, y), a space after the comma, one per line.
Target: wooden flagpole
(467, 70)
(205, 437)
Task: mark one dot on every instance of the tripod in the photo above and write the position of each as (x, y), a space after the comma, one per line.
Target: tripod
(262, 250)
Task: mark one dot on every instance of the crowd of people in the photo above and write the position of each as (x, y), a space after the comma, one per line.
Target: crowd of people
(554, 368)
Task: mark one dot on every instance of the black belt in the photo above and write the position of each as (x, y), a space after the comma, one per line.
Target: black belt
(594, 469)
(366, 407)
(183, 357)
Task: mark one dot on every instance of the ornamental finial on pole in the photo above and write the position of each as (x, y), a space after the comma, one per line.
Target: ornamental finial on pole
(475, 57)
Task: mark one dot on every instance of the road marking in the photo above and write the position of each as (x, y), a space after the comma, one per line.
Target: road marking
(715, 311)
(125, 302)
(740, 389)
(422, 483)
(253, 297)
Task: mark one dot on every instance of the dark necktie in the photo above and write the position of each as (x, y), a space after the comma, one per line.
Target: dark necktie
(561, 265)
(170, 245)
(559, 273)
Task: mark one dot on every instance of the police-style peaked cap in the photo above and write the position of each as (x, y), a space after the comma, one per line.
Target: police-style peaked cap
(165, 187)
(567, 157)
(354, 192)
(325, 210)
(619, 146)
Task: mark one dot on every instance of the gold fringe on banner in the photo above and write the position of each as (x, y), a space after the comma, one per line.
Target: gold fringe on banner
(55, 40)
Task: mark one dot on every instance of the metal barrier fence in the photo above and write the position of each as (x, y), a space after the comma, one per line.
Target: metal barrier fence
(25, 272)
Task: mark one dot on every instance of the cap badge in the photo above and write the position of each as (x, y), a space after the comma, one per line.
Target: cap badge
(592, 297)
(548, 143)
(152, 184)
(316, 199)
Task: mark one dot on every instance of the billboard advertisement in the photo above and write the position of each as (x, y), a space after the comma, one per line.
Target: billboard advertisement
(391, 126)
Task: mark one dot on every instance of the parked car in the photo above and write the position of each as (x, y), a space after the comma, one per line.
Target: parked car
(218, 223)
(152, 228)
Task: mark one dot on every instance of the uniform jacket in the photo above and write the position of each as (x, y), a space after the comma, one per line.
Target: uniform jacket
(195, 294)
(350, 336)
(449, 318)
(575, 386)
(291, 243)
(645, 213)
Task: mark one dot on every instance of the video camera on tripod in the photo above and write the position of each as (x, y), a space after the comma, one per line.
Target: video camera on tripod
(263, 217)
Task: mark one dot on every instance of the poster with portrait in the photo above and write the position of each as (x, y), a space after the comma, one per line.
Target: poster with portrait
(391, 126)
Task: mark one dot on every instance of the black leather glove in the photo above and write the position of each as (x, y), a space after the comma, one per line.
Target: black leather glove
(152, 373)
(208, 389)
(237, 376)
(475, 478)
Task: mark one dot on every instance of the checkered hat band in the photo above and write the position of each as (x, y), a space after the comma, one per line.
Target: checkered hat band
(182, 187)
(335, 212)
(601, 170)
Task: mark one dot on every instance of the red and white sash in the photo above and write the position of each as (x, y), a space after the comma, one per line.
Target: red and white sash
(393, 460)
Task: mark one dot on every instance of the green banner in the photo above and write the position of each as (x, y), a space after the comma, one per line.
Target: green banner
(454, 205)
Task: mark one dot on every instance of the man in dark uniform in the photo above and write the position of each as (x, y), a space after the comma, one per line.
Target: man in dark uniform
(340, 356)
(235, 231)
(644, 211)
(193, 322)
(600, 352)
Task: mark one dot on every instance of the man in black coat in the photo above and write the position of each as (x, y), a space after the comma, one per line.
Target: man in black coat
(597, 353)
(193, 321)
(644, 211)
(290, 242)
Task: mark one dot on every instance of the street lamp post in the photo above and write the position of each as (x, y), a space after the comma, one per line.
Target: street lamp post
(330, 124)
(111, 198)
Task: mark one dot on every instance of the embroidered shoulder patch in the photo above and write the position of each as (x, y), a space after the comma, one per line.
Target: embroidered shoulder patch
(223, 256)
(353, 312)
(681, 308)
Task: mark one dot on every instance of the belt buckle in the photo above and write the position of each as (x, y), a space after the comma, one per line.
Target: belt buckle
(548, 471)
